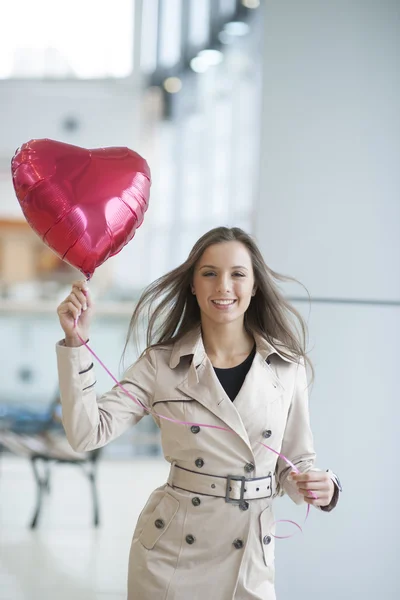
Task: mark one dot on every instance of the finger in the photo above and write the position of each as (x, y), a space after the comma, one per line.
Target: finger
(81, 287)
(319, 502)
(69, 307)
(312, 494)
(78, 298)
(307, 493)
(81, 284)
(88, 297)
(311, 476)
(73, 298)
(313, 485)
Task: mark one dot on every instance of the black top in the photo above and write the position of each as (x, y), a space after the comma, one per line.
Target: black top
(232, 379)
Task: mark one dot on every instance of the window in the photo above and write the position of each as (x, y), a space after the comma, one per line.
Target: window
(170, 44)
(199, 22)
(149, 36)
(227, 8)
(77, 39)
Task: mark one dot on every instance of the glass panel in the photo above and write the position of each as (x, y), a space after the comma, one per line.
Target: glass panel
(77, 39)
(223, 150)
(227, 8)
(199, 22)
(164, 177)
(170, 43)
(193, 200)
(149, 36)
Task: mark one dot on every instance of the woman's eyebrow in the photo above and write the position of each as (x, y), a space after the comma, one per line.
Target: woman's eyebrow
(213, 267)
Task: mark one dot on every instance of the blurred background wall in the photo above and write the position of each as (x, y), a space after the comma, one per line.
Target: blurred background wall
(278, 117)
(328, 213)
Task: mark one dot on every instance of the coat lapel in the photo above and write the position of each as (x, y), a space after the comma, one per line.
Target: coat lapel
(260, 388)
(202, 384)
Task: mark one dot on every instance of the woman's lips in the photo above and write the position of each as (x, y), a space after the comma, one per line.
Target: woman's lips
(223, 304)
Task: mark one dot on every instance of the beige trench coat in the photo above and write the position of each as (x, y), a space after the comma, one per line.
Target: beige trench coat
(187, 542)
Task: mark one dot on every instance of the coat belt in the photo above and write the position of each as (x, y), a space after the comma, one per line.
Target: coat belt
(234, 488)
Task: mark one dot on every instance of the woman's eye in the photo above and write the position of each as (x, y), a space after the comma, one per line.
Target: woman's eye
(235, 274)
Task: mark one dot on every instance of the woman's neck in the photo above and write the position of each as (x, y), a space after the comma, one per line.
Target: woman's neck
(226, 345)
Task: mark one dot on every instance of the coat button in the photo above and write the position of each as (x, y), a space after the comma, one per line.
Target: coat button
(244, 505)
(159, 523)
(238, 544)
(195, 429)
(190, 539)
(196, 501)
(199, 462)
(267, 433)
(267, 540)
(249, 467)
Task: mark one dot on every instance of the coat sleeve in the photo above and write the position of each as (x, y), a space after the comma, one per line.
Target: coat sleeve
(298, 443)
(92, 422)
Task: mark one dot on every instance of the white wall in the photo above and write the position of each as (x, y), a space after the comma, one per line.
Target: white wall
(329, 214)
(330, 159)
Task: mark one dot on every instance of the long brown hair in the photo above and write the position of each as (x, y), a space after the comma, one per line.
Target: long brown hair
(171, 310)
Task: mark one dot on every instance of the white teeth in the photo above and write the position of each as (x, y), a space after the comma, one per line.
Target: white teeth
(223, 302)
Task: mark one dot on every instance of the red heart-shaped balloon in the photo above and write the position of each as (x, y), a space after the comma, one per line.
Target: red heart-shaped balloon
(84, 204)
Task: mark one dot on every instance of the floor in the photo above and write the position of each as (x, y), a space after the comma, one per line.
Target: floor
(66, 558)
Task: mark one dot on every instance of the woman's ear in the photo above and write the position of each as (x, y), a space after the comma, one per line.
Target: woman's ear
(253, 293)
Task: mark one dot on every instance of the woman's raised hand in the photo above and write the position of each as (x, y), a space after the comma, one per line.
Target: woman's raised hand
(77, 306)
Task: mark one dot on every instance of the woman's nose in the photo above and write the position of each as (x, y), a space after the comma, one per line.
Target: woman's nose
(223, 285)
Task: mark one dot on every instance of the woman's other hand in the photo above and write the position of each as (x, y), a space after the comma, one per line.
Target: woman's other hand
(316, 486)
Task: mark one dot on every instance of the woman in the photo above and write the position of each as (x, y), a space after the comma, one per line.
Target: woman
(220, 352)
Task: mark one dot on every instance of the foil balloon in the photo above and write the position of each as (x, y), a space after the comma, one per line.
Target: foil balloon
(84, 204)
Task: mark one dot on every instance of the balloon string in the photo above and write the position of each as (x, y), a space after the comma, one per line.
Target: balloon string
(155, 414)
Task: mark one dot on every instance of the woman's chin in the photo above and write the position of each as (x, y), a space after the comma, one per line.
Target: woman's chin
(224, 318)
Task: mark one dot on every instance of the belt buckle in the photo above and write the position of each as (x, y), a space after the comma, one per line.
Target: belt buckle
(230, 478)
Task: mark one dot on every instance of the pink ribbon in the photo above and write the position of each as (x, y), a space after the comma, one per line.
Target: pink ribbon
(139, 403)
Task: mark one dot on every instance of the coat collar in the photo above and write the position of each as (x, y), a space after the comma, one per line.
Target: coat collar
(191, 344)
(201, 383)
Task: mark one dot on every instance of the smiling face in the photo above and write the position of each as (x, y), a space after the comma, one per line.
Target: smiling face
(223, 282)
